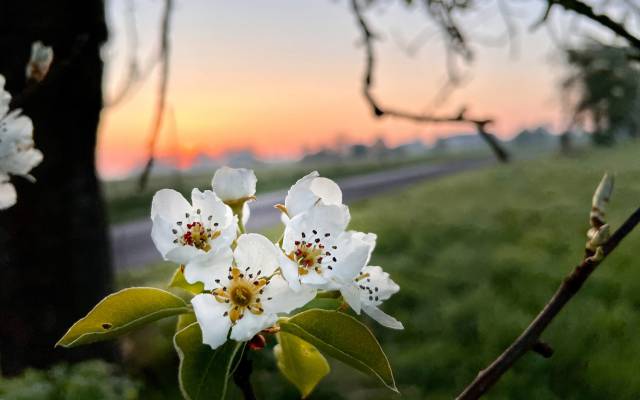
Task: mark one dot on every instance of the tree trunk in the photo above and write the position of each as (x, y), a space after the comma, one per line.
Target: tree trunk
(54, 250)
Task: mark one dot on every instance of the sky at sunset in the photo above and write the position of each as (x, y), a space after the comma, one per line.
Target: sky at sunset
(281, 76)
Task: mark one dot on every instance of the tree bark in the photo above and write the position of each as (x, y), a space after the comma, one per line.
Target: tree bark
(54, 250)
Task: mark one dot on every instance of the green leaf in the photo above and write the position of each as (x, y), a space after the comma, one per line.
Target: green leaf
(185, 320)
(300, 362)
(178, 281)
(122, 312)
(344, 338)
(322, 303)
(203, 372)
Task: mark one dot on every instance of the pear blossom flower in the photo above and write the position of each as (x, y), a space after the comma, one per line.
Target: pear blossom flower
(245, 297)
(319, 250)
(17, 153)
(183, 231)
(39, 62)
(236, 187)
(310, 191)
(232, 184)
(368, 290)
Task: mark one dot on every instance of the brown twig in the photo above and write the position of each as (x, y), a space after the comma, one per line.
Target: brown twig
(530, 338)
(162, 92)
(480, 124)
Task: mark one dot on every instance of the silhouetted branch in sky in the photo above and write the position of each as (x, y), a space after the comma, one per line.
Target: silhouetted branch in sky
(587, 11)
(133, 68)
(461, 117)
(162, 92)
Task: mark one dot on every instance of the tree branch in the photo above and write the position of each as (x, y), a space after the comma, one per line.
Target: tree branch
(530, 338)
(586, 10)
(162, 92)
(480, 124)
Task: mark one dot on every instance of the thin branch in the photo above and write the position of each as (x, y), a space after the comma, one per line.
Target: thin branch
(586, 10)
(480, 124)
(133, 69)
(530, 338)
(136, 74)
(512, 29)
(162, 92)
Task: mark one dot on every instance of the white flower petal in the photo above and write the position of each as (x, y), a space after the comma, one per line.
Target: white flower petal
(289, 270)
(330, 220)
(256, 252)
(228, 234)
(170, 205)
(250, 324)
(210, 205)
(379, 282)
(283, 298)
(382, 318)
(162, 236)
(206, 269)
(310, 191)
(327, 190)
(246, 213)
(183, 254)
(8, 194)
(17, 129)
(234, 183)
(22, 162)
(315, 279)
(210, 315)
(5, 98)
(300, 198)
(368, 238)
(351, 294)
(352, 255)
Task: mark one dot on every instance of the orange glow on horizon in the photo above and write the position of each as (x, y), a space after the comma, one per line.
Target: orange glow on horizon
(238, 89)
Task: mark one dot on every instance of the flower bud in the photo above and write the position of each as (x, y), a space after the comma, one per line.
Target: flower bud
(234, 184)
(600, 200)
(40, 61)
(598, 237)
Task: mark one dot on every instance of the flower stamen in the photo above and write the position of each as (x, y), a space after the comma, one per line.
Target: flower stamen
(242, 293)
(309, 255)
(198, 233)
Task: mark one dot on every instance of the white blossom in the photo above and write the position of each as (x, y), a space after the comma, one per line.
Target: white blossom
(17, 153)
(319, 250)
(234, 184)
(236, 187)
(183, 231)
(309, 191)
(246, 296)
(368, 290)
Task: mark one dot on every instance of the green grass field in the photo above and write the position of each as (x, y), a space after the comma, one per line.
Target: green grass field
(476, 256)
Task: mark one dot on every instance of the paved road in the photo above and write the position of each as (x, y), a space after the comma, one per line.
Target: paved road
(132, 245)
